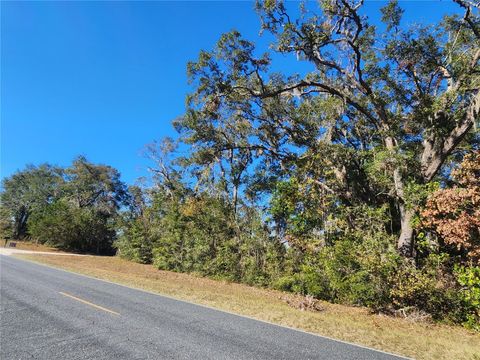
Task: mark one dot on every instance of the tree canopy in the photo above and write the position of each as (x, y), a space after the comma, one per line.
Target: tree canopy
(73, 208)
(382, 112)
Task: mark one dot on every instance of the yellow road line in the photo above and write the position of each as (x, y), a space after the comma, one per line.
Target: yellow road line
(89, 303)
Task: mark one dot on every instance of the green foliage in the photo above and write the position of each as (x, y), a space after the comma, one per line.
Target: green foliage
(180, 231)
(469, 279)
(369, 272)
(136, 227)
(416, 194)
(135, 242)
(27, 191)
(356, 272)
(94, 185)
(308, 280)
(199, 234)
(6, 224)
(73, 208)
(359, 272)
(70, 228)
(430, 288)
(295, 208)
(392, 14)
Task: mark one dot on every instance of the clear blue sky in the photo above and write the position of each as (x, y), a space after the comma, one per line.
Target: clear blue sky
(102, 79)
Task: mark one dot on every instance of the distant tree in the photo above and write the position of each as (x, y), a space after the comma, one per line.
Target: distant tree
(27, 191)
(136, 227)
(6, 224)
(94, 185)
(74, 229)
(82, 218)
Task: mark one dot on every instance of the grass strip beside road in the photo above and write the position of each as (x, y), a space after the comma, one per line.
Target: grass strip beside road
(26, 245)
(352, 324)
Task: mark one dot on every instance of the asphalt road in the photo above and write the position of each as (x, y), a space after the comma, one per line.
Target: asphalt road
(53, 314)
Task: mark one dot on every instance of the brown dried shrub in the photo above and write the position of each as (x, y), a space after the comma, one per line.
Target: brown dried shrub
(303, 303)
(454, 214)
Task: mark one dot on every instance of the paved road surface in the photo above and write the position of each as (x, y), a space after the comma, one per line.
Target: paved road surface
(53, 314)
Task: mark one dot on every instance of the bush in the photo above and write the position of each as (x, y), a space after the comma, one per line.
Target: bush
(359, 271)
(349, 271)
(202, 234)
(469, 279)
(308, 281)
(430, 288)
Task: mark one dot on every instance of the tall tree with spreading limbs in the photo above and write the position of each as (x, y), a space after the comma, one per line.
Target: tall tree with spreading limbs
(380, 100)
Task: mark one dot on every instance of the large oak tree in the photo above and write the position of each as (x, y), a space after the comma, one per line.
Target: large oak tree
(383, 110)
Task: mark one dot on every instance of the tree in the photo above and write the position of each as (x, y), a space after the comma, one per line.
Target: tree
(96, 186)
(220, 151)
(6, 226)
(73, 208)
(74, 229)
(136, 227)
(409, 97)
(27, 191)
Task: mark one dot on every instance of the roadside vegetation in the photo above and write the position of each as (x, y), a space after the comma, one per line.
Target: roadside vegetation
(29, 246)
(357, 183)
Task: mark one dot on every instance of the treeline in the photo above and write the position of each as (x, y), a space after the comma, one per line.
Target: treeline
(72, 208)
(357, 183)
(352, 260)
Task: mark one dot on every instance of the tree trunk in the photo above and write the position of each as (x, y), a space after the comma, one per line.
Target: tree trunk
(405, 240)
(436, 150)
(235, 199)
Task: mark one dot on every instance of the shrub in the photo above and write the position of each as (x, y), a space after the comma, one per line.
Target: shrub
(308, 281)
(349, 271)
(359, 272)
(430, 288)
(453, 214)
(469, 279)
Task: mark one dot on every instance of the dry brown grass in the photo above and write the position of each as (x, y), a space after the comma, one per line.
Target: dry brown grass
(357, 325)
(27, 245)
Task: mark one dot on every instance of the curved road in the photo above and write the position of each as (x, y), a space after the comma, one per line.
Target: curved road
(53, 314)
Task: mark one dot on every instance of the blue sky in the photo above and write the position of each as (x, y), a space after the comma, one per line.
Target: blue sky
(102, 79)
